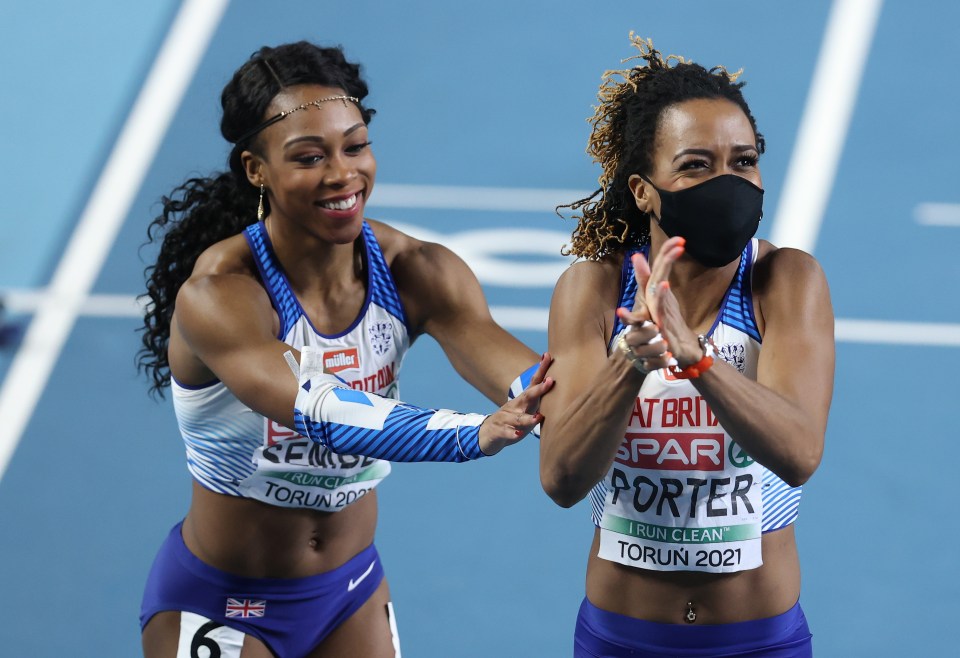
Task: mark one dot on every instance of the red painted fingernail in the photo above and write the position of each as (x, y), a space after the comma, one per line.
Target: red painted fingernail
(519, 433)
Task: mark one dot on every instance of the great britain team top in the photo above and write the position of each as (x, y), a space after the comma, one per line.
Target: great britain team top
(681, 494)
(233, 450)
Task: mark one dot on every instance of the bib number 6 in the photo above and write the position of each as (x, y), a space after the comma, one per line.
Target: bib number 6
(200, 639)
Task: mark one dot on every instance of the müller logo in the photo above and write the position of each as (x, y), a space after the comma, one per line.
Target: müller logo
(341, 360)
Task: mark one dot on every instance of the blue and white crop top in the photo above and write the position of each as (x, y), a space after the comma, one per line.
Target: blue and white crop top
(235, 451)
(681, 494)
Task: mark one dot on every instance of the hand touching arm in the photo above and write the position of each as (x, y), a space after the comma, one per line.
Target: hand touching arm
(227, 322)
(355, 422)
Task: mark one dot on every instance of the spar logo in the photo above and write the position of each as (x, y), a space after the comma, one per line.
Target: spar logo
(338, 360)
(675, 451)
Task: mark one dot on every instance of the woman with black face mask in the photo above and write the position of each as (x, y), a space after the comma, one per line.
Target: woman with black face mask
(694, 372)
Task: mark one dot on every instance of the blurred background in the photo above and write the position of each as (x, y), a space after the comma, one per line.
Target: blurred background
(480, 132)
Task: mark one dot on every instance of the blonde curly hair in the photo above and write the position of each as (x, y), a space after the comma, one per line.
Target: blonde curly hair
(624, 122)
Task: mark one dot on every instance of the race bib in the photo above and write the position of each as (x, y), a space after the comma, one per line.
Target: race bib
(682, 498)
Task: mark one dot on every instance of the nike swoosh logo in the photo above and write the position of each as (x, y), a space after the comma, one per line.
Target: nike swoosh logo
(352, 585)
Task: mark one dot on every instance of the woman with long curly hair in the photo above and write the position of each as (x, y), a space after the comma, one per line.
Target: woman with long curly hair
(694, 368)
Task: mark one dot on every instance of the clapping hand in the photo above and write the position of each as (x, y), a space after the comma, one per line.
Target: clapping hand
(655, 323)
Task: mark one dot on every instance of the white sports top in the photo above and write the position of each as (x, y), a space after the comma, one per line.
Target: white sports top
(233, 450)
(681, 494)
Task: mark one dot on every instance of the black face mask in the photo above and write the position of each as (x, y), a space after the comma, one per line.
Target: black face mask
(717, 218)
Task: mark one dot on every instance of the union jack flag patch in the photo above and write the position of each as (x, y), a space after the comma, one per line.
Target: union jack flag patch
(245, 608)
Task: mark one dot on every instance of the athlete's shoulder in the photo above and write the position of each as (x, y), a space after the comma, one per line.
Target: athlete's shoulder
(593, 274)
(789, 284)
(588, 289)
(224, 277)
(784, 264)
(229, 256)
(414, 261)
(393, 242)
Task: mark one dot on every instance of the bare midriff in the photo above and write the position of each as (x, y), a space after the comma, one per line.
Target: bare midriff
(249, 538)
(667, 596)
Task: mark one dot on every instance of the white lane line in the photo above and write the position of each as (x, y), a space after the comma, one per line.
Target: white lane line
(103, 216)
(517, 257)
(107, 306)
(534, 318)
(826, 118)
(521, 318)
(937, 214)
(444, 197)
(898, 333)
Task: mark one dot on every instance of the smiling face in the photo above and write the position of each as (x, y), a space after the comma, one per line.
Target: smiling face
(316, 164)
(697, 140)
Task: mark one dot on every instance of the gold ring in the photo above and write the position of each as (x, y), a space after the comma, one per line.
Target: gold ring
(634, 359)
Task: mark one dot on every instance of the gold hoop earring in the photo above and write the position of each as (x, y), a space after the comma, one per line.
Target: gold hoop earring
(260, 206)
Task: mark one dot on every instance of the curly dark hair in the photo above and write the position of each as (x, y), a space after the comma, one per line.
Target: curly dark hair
(622, 141)
(203, 211)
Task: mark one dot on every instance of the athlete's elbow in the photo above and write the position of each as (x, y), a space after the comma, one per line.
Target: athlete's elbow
(562, 497)
(801, 468)
(795, 479)
(563, 489)
(804, 472)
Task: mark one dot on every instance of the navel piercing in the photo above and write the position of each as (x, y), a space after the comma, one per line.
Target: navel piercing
(691, 616)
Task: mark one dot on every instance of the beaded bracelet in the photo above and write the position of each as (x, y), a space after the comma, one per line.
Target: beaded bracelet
(696, 369)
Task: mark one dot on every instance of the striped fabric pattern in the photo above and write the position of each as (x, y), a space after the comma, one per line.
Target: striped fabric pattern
(628, 289)
(781, 502)
(218, 445)
(284, 301)
(598, 495)
(737, 309)
(383, 291)
(406, 436)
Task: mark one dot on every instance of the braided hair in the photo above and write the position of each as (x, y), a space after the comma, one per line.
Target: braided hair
(204, 211)
(625, 123)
